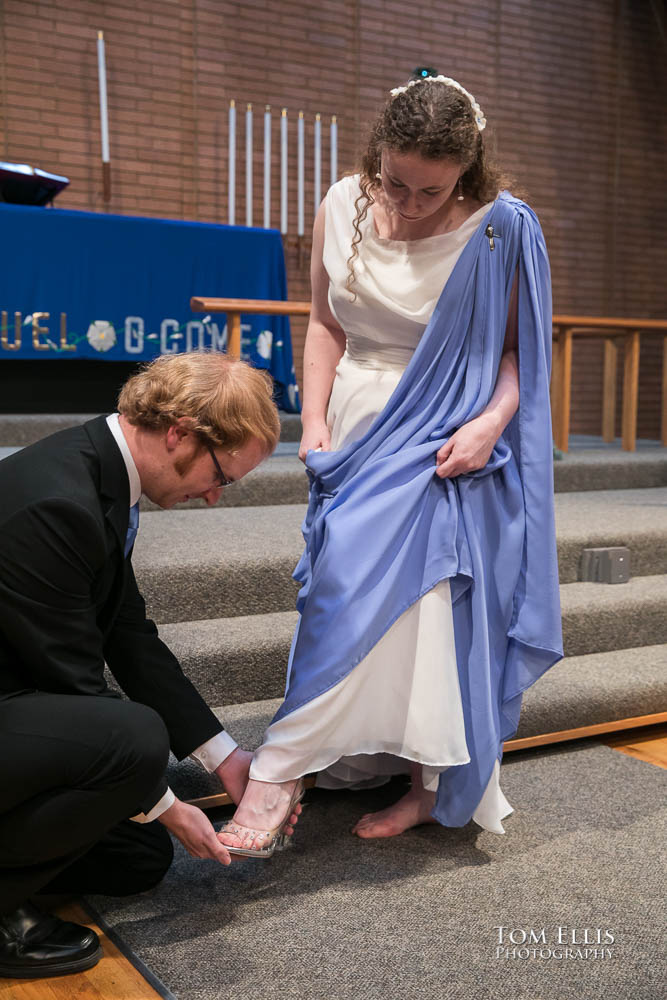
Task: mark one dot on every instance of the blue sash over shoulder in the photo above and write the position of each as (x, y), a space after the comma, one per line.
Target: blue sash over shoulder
(382, 529)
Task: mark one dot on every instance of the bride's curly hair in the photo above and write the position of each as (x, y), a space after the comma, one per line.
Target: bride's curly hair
(438, 122)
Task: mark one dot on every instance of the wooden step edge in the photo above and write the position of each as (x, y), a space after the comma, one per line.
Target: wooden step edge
(581, 732)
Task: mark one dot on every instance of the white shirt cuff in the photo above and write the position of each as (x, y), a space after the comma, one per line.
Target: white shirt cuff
(212, 753)
(164, 803)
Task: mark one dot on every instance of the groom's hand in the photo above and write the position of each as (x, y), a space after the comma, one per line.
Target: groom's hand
(195, 832)
(233, 773)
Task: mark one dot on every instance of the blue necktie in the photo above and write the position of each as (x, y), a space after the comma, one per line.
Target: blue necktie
(132, 527)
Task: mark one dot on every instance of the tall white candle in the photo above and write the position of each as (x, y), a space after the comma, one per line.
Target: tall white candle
(248, 165)
(104, 112)
(301, 174)
(267, 167)
(231, 208)
(317, 179)
(334, 149)
(283, 171)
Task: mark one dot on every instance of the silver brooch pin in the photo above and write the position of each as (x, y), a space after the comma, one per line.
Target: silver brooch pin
(491, 235)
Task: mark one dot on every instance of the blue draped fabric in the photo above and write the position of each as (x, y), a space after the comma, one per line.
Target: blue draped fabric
(382, 529)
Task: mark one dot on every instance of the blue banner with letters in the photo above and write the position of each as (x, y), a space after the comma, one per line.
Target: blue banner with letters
(118, 288)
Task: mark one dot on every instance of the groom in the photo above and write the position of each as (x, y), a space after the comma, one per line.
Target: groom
(82, 772)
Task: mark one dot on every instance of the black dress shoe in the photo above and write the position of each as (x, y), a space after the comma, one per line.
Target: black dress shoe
(35, 944)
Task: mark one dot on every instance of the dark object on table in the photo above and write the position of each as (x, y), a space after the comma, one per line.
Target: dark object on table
(21, 184)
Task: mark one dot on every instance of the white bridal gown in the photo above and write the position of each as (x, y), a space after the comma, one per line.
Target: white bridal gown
(402, 702)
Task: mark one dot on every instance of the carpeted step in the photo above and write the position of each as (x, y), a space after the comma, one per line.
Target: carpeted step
(19, 429)
(602, 616)
(595, 688)
(589, 465)
(242, 659)
(290, 426)
(194, 564)
(605, 469)
(233, 660)
(281, 479)
(24, 428)
(578, 691)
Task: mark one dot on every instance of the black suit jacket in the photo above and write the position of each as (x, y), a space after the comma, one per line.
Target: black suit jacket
(68, 596)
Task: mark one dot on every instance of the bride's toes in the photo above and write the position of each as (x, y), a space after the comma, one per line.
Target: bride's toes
(229, 839)
(240, 836)
(363, 821)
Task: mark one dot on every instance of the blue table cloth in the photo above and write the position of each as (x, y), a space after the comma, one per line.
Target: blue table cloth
(118, 288)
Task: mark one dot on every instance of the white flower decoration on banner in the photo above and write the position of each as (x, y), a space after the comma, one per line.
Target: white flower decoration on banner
(480, 120)
(264, 344)
(101, 335)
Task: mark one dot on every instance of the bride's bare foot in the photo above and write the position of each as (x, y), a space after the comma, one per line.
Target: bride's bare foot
(413, 809)
(262, 809)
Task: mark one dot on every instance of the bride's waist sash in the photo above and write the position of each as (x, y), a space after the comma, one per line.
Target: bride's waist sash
(361, 352)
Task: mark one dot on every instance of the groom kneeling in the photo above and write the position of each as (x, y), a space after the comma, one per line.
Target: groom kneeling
(82, 772)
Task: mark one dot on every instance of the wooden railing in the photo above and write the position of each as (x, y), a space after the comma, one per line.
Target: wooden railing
(565, 329)
(235, 307)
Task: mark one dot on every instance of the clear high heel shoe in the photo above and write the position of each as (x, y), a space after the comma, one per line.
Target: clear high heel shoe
(275, 839)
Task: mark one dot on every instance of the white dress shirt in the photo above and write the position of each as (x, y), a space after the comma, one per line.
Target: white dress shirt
(212, 753)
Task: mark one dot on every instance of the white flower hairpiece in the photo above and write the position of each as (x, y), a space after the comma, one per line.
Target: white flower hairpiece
(480, 120)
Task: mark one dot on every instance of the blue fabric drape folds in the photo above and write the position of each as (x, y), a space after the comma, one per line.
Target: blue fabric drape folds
(381, 529)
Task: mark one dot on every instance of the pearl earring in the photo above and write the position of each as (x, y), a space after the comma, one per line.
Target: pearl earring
(379, 176)
(460, 197)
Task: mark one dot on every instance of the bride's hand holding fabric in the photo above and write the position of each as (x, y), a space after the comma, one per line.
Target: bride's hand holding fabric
(315, 437)
(468, 449)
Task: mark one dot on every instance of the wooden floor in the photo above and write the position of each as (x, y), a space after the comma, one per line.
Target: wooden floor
(114, 978)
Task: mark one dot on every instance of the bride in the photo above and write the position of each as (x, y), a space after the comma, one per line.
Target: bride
(429, 598)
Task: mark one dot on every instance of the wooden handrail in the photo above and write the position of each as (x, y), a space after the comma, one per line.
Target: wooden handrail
(267, 306)
(565, 328)
(619, 323)
(235, 307)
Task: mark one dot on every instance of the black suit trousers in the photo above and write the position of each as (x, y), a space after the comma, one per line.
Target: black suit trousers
(73, 769)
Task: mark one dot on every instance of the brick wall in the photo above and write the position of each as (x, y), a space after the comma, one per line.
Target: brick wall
(571, 91)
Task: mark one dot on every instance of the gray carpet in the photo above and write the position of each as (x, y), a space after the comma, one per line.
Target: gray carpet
(336, 918)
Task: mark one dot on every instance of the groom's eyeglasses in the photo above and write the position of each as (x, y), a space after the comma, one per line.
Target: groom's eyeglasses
(222, 479)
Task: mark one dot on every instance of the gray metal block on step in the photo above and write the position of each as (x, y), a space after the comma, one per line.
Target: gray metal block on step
(636, 519)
